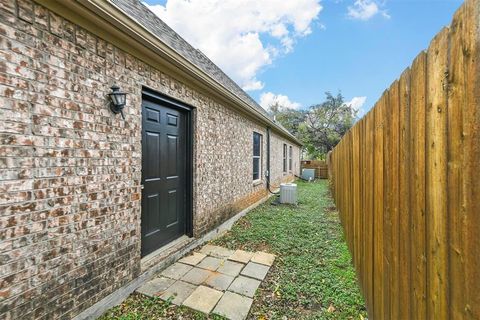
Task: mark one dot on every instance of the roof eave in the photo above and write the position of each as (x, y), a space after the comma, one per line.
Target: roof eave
(123, 23)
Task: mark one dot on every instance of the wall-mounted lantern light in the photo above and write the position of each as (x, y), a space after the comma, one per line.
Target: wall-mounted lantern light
(117, 100)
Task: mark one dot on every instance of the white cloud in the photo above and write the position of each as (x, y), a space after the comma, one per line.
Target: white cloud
(268, 99)
(357, 103)
(232, 33)
(365, 10)
(385, 14)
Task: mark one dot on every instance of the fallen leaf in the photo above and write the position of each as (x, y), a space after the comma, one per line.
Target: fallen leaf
(331, 308)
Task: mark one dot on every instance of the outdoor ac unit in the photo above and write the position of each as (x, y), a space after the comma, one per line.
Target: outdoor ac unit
(308, 174)
(288, 193)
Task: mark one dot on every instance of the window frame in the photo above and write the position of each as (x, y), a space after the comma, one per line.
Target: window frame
(257, 157)
(285, 157)
(290, 158)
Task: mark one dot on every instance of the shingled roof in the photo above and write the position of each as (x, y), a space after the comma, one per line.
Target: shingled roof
(151, 22)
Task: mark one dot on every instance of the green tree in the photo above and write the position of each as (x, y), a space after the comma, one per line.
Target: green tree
(320, 127)
(325, 124)
(290, 119)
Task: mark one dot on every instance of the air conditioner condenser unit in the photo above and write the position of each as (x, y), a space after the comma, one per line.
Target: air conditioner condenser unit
(288, 193)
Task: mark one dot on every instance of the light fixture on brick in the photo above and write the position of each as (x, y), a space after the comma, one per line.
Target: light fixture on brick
(117, 100)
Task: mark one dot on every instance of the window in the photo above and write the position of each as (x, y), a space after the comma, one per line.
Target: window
(284, 158)
(257, 155)
(290, 157)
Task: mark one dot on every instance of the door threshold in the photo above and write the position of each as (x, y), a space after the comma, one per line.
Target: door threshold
(164, 252)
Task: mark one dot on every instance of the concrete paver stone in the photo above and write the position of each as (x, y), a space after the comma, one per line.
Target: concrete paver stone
(210, 263)
(263, 258)
(244, 286)
(196, 276)
(206, 249)
(203, 299)
(233, 306)
(179, 291)
(255, 270)
(193, 259)
(155, 286)
(231, 268)
(222, 252)
(219, 281)
(216, 251)
(176, 271)
(241, 256)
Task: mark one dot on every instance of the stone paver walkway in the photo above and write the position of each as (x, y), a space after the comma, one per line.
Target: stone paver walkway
(213, 280)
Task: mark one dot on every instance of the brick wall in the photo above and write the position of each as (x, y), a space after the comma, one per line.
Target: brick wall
(70, 171)
(276, 160)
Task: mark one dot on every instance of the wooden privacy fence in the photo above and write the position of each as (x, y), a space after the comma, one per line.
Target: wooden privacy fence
(320, 166)
(406, 181)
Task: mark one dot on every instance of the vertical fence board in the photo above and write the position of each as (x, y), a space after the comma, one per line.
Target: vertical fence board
(406, 179)
(356, 194)
(404, 197)
(369, 221)
(471, 177)
(378, 212)
(348, 211)
(387, 224)
(417, 167)
(394, 198)
(436, 172)
(456, 215)
(361, 138)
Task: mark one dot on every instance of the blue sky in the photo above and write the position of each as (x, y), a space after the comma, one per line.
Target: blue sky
(293, 51)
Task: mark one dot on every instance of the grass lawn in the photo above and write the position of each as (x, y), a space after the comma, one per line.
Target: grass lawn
(312, 277)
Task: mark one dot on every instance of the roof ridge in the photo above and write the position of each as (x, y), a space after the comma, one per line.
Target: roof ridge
(139, 12)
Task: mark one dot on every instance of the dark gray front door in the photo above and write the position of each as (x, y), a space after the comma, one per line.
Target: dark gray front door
(163, 175)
